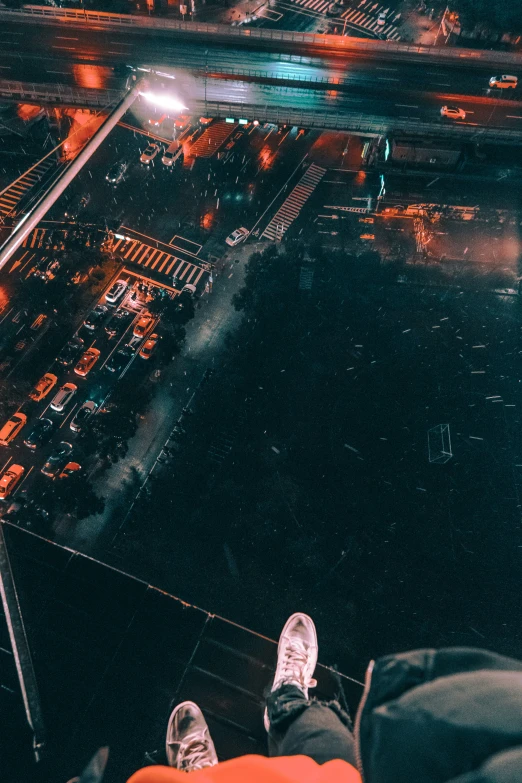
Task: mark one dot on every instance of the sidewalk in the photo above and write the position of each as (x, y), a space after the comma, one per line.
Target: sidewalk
(415, 26)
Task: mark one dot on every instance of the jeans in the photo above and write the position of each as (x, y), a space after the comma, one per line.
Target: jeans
(299, 726)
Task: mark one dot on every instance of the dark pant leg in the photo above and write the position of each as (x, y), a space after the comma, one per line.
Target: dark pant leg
(299, 726)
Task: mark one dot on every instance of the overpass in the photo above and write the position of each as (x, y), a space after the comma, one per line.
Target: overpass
(280, 111)
(358, 85)
(204, 34)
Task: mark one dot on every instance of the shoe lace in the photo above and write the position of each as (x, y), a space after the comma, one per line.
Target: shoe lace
(195, 755)
(294, 665)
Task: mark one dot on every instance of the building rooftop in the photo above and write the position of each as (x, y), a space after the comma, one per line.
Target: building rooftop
(112, 654)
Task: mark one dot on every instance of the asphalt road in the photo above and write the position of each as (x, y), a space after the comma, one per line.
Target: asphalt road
(369, 86)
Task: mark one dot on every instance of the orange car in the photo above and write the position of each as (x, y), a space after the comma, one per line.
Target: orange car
(10, 479)
(87, 362)
(149, 346)
(43, 387)
(144, 325)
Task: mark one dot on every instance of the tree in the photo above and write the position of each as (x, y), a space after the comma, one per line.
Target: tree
(503, 15)
(74, 495)
(109, 433)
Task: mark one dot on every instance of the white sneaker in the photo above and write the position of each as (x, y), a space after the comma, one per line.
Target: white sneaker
(189, 745)
(296, 656)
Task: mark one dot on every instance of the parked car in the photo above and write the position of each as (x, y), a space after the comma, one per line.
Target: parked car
(87, 362)
(173, 153)
(43, 387)
(157, 119)
(453, 112)
(70, 351)
(64, 397)
(40, 433)
(118, 322)
(116, 291)
(76, 205)
(56, 459)
(119, 360)
(237, 236)
(149, 153)
(503, 82)
(10, 479)
(12, 427)
(182, 122)
(82, 415)
(149, 346)
(70, 469)
(144, 325)
(95, 317)
(116, 173)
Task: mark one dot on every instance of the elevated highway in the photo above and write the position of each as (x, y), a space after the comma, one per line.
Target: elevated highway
(278, 107)
(354, 84)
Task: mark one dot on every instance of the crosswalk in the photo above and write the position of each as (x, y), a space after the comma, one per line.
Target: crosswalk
(13, 194)
(212, 139)
(153, 259)
(292, 205)
(364, 14)
(38, 239)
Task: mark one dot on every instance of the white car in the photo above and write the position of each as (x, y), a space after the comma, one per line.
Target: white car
(150, 153)
(82, 415)
(453, 112)
(116, 291)
(503, 82)
(237, 236)
(381, 19)
(63, 398)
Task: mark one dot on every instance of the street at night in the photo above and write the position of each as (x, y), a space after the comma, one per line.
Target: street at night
(260, 340)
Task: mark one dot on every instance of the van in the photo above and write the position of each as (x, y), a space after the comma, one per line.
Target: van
(172, 153)
(11, 428)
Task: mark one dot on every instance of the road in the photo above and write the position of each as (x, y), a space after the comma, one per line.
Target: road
(363, 85)
(163, 233)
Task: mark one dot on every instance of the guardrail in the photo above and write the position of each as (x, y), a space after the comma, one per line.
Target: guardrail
(257, 36)
(59, 94)
(366, 125)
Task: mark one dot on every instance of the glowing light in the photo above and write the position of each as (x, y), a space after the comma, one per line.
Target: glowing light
(164, 101)
(95, 77)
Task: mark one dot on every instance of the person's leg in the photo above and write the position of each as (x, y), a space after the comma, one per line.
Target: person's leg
(189, 745)
(297, 725)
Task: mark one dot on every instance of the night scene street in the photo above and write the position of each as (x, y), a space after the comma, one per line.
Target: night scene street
(260, 404)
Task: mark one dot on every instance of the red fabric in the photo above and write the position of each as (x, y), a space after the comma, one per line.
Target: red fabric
(256, 769)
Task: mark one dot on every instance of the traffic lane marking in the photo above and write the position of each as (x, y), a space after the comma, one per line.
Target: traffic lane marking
(76, 405)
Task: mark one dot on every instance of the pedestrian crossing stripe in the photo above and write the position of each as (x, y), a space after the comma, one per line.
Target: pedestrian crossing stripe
(291, 207)
(13, 194)
(37, 236)
(212, 139)
(364, 15)
(135, 251)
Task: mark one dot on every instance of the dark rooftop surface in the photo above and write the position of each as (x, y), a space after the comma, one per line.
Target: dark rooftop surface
(112, 654)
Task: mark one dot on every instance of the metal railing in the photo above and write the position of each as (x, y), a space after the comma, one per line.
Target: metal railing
(59, 94)
(342, 120)
(256, 36)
